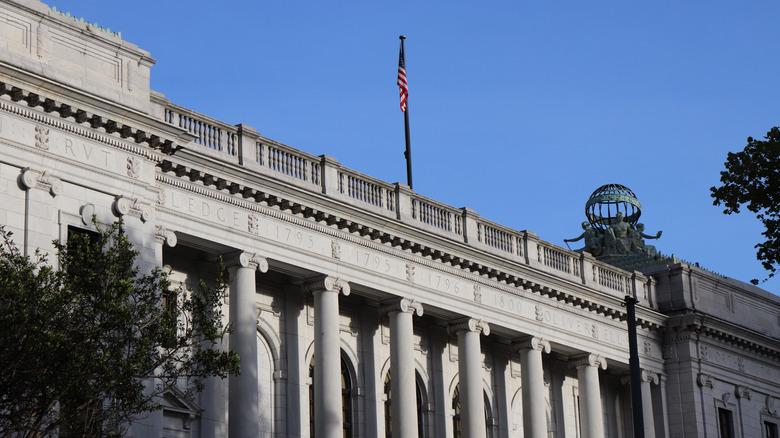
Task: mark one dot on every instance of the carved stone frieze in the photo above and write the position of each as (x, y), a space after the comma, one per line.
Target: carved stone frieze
(31, 179)
(335, 250)
(42, 137)
(478, 293)
(133, 167)
(410, 273)
(124, 206)
(253, 224)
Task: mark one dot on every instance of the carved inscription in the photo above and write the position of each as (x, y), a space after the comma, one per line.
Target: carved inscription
(205, 209)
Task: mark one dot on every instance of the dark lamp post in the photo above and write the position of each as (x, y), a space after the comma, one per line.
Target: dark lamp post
(635, 371)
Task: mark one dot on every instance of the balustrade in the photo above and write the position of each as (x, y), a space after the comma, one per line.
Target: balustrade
(278, 159)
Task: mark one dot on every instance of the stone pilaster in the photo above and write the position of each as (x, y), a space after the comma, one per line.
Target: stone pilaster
(648, 378)
(402, 378)
(162, 236)
(591, 413)
(327, 355)
(533, 390)
(243, 395)
(472, 403)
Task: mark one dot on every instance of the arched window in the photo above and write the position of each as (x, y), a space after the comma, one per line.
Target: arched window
(389, 410)
(346, 399)
(456, 429)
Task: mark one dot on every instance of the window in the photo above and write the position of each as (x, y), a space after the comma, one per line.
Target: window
(389, 410)
(725, 423)
(456, 426)
(346, 399)
(770, 429)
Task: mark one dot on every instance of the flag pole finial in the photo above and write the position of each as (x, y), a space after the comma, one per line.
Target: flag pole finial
(402, 37)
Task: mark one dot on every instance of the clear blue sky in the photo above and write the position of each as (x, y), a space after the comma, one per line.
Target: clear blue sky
(519, 109)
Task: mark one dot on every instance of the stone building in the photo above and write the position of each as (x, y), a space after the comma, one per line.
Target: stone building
(426, 320)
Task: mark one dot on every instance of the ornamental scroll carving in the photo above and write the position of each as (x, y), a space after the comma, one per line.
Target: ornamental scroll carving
(42, 180)
(87, 212)
(134, 207)
(164, 235)
(743, 392)
(42, 137)
(532, 343)
(649, 376)
(470, 325)
(405, 305)
(247, 260)
(591, 360)
(133, 167)
(327, 283)
(705, 380)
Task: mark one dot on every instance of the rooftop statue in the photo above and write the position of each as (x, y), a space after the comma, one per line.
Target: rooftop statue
(612, 229)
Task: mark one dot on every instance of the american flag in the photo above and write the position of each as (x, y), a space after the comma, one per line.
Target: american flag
(402, 78)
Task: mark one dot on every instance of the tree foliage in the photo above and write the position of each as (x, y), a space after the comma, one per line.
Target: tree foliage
(79, 345)
(752, 179)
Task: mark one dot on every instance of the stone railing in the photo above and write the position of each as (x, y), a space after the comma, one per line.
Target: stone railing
(368, 190)
(242, 145)
(283, 160)
(210, 133)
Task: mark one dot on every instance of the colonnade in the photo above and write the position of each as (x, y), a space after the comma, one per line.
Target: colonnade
(328, 421)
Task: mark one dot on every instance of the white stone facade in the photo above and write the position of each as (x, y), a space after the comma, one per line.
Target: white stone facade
(374, 278)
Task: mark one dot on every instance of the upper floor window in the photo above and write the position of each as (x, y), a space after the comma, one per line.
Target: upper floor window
(725, 423)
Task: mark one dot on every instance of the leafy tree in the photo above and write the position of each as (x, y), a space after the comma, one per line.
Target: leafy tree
(752, 178)
(79, 344)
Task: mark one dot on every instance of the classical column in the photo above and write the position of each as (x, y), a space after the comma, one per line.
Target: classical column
(403, 388)
(534, 415)
(243, 388)
(647, 402)
(591, 414)
(472, 403)
(328, 422)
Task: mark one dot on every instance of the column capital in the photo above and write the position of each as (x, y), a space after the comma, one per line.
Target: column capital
(164, 235)
(246, 260)
(592, 360)
(649, 376)
(531, 343)
(469, 325)
(645, 377)
(42, 179)
(405, 305)
(327, 283)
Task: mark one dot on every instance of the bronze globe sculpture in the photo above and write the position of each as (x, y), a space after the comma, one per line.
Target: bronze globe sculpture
(607, 201)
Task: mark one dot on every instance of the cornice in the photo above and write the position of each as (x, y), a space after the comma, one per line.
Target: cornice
(166, 138)
(695, 325)
(236, 191)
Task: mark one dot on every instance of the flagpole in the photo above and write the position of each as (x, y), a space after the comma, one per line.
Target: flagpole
(408, 152)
